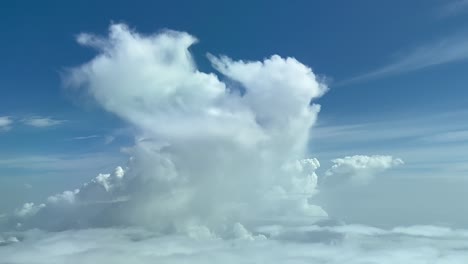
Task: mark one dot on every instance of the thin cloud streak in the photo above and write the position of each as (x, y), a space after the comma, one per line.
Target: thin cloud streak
(445, 51)
(61, 163)
(42, 121)
(86, 137)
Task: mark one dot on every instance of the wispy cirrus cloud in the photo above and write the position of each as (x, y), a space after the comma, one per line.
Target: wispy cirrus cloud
(446, 50)
(5, 123)
(447, 137)
(38, 121)
(86, 137)
(56, 162)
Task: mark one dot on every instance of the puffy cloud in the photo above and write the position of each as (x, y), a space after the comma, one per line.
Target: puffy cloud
(42, 121)
(79, 208)
(5, 123)
(279, 92)
(359, 169)
(28, 210)
(65, 197)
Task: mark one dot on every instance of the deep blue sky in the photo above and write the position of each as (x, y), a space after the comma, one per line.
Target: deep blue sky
(338, 39)
(392, 66)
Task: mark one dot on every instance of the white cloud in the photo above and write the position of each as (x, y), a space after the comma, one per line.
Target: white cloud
(90, 191)
(359, 169)
(5, 123)
(42, 121)
(65, 197)
(206, 154)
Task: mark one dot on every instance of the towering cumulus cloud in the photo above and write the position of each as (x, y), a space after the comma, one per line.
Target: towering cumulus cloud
(209, 157)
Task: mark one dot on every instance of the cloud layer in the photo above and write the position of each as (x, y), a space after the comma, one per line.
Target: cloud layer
(337, 244)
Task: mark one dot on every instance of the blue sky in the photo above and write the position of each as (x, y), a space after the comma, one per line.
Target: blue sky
(395, 69)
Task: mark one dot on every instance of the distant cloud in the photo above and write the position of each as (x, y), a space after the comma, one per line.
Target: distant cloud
(42, 121)
(5, 123)
(109, 139)
(86, 137)
(28, 210)
(359, 169)
(447, 50)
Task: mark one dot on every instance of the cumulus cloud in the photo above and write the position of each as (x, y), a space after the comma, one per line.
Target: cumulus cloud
(5, 123)
(65, 197)
(206, 153)
(42, 121)
(359, 169)
(78, 208)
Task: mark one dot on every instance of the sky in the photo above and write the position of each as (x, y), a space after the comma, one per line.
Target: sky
(193, 129)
